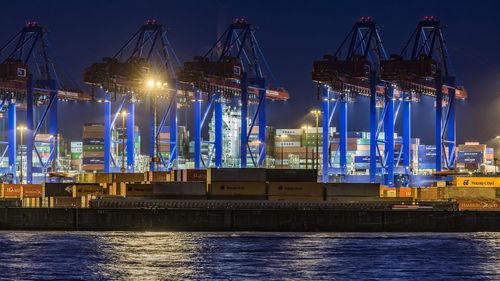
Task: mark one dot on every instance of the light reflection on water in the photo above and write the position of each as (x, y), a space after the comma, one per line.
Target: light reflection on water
(257, 256)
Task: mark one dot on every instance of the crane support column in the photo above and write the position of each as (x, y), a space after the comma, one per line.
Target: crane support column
(53, 124)
(325, 94)
(244, 125)
(262, 122)
(343, 135)
(439, 117)
(131, 137)
(29, 130)
(107, 133)
(451, 121)
(174, 151)
(406, 132)
(373, 129)
(389, 137)
(197, 129)
(152, 133)
(11, 112)
(218, 130)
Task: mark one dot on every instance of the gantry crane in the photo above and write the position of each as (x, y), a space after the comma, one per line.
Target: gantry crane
(352, 71)
(145, 68)
(233, 68)
(423, 67)
(28, 76)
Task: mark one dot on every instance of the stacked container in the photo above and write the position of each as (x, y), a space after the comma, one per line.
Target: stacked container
(289, 143)
(93, 147)
(240, 184)
(293, 185)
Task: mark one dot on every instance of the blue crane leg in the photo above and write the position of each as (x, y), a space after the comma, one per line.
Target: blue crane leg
(343, 135)
(244, 125)
(389, 137)
(451, 128)
(11, 112)
(373, 129)
(197, 129)
(29, 131)
(107, 134)
(174, 150)
(326, 132)
(218, 131)
(53, 123)
(439, 116)
(130, 137)
(262, 123)
(152, 133)
(407, 134)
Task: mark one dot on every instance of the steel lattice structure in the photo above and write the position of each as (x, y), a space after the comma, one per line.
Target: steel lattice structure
(145, 68)
(234, 67)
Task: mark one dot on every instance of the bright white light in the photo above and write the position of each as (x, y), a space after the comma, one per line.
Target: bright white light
(151, 83)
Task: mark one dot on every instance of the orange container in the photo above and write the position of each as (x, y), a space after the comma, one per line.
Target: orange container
(479, 205)
(11, 190)
(403, 192)
(429, 193)
(32, 191)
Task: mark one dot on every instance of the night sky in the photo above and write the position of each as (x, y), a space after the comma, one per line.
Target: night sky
(292, 34)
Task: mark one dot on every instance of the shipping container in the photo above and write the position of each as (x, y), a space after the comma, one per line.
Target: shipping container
(194, 175)
(477, 181)
(387, 192)
(236, 175)
(83, 190)
(65, 202)
(404, 192)
(32, 191)
(58, 189)
(10, 190)
(452, 192)
(10, 203)
(291, 175)
(237, 188)
(313, 189)
(137, 189)
(478, 205)
(128, 177)
(428, 194)
(180, 190)
(93, 167)
(158, 176)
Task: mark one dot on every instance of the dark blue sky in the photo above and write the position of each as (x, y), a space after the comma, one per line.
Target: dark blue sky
(292, 34)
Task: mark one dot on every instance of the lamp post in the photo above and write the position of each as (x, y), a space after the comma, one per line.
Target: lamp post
(152, 87)
(316, 114)
(124, 115)
(306, 129)
(282, 136)
(21, 129)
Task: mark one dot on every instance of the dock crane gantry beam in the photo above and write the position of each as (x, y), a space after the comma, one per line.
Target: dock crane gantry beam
(144, 68)
(233, 67)
(344, 76)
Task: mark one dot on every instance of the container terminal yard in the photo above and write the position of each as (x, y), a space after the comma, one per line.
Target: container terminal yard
(230, 169)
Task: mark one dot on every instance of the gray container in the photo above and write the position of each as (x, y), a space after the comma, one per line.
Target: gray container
(181, 189)
(292, 175)
(10, 203)
(236, 175)
(352, 189)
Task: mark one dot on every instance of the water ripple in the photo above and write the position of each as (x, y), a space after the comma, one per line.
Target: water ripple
(248, 256)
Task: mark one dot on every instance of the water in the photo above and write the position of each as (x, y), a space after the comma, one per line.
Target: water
(248, 256)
